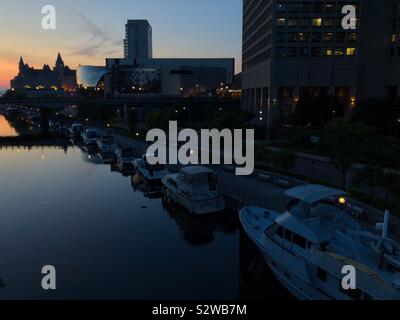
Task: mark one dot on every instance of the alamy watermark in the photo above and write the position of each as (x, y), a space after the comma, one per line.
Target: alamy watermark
(191, 147)
(49, 279)
(49, 17)
(349, 281)
(349, 21)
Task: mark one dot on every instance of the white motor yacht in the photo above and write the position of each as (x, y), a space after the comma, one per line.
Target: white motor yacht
(76, 130)
(151, 173)
(107, 144)
(90, 136)
(125, 157)
(196, 189)
(308, 246)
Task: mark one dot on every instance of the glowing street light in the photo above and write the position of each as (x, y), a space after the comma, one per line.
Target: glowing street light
(342, 201)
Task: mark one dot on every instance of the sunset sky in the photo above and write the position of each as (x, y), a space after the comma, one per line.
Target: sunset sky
(88, 31)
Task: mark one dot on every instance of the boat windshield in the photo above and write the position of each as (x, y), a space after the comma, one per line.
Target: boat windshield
(202, 180)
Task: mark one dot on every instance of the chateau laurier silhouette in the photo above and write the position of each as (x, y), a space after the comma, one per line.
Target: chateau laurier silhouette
(60, 77)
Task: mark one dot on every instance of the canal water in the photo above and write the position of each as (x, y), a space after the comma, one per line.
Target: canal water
(6, 129)
(107, 240)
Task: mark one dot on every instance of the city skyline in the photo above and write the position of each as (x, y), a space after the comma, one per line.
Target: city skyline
(87, 36)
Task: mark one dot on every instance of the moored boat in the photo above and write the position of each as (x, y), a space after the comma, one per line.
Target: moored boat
(196, 189)
(308, 246)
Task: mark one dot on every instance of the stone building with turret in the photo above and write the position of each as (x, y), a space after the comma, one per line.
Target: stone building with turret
(61, 77)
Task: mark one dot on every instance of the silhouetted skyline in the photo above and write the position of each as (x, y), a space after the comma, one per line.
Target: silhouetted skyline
(89, 31)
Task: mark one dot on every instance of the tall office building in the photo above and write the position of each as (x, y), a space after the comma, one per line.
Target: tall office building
(138, 42)
(294, 49)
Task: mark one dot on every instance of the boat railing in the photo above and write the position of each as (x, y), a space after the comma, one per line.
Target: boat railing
(368, 279)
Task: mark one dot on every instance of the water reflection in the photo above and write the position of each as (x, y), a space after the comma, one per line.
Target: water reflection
(6, 129)
(94, 228)
(200, 229)
(256, 282)
(92, 158)
(149, 190)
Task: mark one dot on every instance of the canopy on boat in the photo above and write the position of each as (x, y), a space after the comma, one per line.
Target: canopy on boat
(312, 193)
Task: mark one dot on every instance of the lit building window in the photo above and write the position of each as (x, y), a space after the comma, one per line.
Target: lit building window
(328, 36)
(339, 52)
(330, 7)
(351, 51)
(281, 22)
(317, 22)
(393, 38)
(352, 36)
(328, 52)
(303, 36)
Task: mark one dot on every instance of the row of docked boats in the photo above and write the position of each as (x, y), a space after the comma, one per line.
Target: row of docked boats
(194, 188)
(307, 246)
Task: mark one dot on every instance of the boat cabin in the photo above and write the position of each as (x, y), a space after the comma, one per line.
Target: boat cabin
(200, 178)
(151, 167)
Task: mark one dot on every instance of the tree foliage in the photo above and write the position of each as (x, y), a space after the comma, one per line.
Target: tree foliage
(284, 159)
(316, 112)
(343, 141)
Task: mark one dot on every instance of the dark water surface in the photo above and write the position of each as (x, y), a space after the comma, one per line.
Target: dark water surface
(108, 241)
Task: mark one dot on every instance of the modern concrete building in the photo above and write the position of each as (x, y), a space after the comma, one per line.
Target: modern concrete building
(138, 72)
(294, 49)
(191, 76)
(138, 42)
(187, 77)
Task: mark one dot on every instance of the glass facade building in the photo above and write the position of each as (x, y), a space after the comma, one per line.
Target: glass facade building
(90, 76)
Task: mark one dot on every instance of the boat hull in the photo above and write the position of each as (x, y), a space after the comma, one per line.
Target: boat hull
(196, 207)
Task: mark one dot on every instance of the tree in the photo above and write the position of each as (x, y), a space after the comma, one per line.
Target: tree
(386, 120)
(95, 112)
(368, 176)
(390, 181)
(161, 119)
(284, 159)
(316, 112)
(343, 141)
